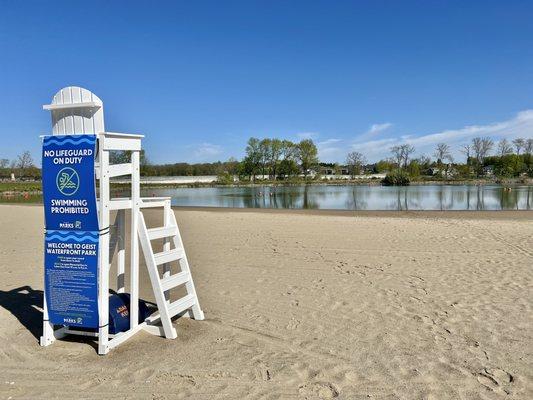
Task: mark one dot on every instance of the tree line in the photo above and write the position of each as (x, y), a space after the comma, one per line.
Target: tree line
(273, 159)
(22, 167)
(482, 157)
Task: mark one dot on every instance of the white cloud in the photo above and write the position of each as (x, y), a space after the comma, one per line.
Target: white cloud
(328, 142)
(207, 150)
(328, 148)
(519, 126)
(376, 129)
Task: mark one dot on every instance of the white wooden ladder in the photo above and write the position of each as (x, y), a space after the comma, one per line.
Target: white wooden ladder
(173, 250)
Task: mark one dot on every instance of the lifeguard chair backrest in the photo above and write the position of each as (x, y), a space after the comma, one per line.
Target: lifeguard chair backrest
(76, 110)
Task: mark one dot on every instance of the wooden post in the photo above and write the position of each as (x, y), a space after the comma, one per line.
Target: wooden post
(166, 244)
(103, 271)
(134, 273)
(48, 328)
(121, 252)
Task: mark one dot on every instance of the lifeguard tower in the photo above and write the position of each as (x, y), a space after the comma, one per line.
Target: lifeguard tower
(76, 280)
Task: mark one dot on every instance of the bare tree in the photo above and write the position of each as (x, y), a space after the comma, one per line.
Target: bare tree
(401, 154)
(397, 155)
(4, 162)
(528, 147)
(466, 150)
(442, 152)
(481, 147)
(355, 161)
(504, 147)
(519, 144)
(25, 160)
(406, 150)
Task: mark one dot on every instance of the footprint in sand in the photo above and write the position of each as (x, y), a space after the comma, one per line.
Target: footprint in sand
(318, 390)
(495, 379)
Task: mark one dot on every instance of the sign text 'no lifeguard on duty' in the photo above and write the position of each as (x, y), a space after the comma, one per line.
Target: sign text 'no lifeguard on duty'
(72, 232)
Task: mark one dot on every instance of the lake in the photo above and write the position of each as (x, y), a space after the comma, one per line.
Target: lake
(353, 197)
(334, 197)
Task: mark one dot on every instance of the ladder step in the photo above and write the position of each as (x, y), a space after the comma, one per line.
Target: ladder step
(172, 281)
(163, 232)
(174, 308)
(181, 304)
(168, 256)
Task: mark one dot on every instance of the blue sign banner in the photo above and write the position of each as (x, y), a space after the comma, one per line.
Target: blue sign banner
(71, 277)
(72, 231)
(69, 192)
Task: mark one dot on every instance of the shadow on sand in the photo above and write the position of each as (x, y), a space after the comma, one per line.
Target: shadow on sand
(26, 305)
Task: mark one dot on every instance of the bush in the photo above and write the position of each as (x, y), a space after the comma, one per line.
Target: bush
(225, 178)
(396, 178)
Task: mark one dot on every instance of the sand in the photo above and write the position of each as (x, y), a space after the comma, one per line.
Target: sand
(300, 305)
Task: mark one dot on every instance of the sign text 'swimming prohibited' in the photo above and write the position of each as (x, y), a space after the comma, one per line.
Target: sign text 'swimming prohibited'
(68, 182)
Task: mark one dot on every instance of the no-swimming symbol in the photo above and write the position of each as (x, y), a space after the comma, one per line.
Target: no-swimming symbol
(67, 181)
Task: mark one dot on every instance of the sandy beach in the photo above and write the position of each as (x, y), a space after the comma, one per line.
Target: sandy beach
(300, 305)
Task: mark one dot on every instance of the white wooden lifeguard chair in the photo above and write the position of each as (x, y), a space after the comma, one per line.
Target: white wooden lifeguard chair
(78, 111)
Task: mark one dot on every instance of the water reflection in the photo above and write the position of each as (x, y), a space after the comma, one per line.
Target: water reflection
(423, 197)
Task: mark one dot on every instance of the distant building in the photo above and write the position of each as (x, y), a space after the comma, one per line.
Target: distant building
(488, 170)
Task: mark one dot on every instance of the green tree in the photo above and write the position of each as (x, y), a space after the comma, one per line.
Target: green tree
(275, 153)
(253, 157)
(288, 167)
(307, 155)
(383, 166)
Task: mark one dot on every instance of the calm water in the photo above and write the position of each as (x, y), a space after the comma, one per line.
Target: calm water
(423, 197)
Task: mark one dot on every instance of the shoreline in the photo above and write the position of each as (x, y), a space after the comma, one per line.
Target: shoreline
(512, 182)
(515, 215)
(508, 215)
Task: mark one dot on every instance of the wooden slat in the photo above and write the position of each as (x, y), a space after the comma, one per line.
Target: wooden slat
(163, 232)
(175, 308)
(71, 105)
(121, 337)
(125, 143)
(119, 170)
(175, 280)
(152, 204)
(181, 304)
(120, 204)
(168, 256)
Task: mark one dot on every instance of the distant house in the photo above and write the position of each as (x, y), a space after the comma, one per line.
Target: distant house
(447, 172)
(434, 171)
(488, 170)
(327, 171)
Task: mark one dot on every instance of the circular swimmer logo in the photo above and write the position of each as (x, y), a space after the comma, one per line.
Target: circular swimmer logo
(67, 181)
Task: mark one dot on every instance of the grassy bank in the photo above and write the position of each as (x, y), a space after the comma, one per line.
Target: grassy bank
(21, 187)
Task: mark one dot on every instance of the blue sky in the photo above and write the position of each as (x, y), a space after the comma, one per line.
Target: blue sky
(200, 78)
